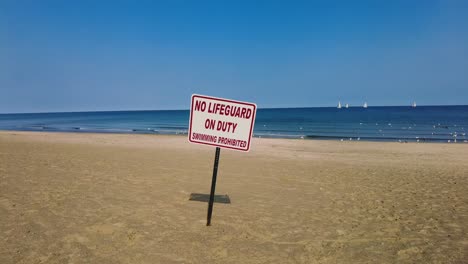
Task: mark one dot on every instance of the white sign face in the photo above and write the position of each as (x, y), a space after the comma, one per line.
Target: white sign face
(221, 122)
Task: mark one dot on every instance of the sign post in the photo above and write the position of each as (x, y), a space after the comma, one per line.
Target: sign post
(221, 123)
(213, 186)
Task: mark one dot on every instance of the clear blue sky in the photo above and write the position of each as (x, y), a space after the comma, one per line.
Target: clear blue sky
(117, 55)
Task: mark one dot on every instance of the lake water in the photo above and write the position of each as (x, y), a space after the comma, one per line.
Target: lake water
(400, 123)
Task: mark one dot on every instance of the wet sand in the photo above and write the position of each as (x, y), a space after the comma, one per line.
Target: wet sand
(110, 198)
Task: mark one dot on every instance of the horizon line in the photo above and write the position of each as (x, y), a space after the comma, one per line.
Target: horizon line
(263, 108)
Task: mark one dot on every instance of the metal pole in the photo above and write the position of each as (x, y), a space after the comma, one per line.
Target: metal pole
(213, 186)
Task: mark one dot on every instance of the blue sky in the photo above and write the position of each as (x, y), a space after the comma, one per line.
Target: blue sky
(129, 55)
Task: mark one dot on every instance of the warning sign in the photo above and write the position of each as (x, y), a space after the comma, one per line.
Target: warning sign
(221, 122)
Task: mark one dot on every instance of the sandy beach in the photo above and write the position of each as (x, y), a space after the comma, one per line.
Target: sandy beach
(115, 198)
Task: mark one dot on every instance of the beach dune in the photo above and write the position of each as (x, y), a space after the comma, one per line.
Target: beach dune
(115, 198)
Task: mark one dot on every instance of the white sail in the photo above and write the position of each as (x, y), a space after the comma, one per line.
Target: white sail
(365, 105)
(347, 105)
(339, 104)
(414, 104)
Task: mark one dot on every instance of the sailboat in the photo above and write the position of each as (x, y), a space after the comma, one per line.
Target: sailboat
(347, 105)
(413, 104)
(339, 105)
(365, 105)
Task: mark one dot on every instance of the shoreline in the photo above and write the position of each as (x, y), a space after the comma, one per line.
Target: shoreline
(283, 137)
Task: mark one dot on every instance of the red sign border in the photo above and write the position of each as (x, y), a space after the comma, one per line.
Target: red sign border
(229, 101)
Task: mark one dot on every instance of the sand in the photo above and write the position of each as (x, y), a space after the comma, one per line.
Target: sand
(110, 198)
